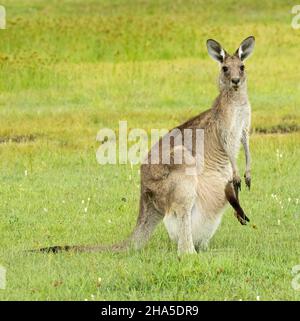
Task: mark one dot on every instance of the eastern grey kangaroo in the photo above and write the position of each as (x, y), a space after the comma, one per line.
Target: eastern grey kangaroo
(191, 206)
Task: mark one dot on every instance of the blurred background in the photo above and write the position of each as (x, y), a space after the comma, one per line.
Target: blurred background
(68, 69)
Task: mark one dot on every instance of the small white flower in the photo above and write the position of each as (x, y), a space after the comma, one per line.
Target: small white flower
(63, 201)
(92, 296)
(109, 221)
(45, 209)
(89, 199)
(26, 172)
(278, 222)
(85, 210)
(82, 202)
(289, 199)
(258, 298)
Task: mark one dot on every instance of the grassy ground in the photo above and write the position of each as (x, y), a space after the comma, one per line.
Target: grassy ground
(69, 68)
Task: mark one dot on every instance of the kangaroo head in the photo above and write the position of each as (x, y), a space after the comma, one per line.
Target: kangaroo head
(232, 72)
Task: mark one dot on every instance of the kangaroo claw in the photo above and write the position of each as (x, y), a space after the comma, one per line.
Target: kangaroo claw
(247, 180)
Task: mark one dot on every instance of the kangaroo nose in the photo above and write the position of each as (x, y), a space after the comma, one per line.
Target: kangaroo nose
(235, 80)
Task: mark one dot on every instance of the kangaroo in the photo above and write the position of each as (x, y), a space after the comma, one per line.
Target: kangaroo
(191, 206)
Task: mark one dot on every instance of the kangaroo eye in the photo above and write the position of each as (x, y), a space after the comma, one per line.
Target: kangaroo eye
(224, 68)
(242, 67)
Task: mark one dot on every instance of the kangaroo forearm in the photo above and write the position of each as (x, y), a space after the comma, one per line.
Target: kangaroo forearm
(245, 142)
(248, 160)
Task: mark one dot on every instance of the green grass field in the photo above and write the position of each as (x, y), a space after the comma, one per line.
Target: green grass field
(70, 68)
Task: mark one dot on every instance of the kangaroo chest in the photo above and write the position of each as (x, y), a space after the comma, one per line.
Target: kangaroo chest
(239, 119)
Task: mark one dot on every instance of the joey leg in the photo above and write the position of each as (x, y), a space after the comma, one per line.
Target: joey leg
(232, 197)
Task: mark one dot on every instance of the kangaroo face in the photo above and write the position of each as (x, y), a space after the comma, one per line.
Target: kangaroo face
(232, 73)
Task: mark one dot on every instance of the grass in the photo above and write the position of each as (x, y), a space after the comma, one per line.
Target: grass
(68, 69)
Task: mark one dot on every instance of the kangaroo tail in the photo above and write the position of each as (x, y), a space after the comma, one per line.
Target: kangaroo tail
(147, 220)
(83, 248)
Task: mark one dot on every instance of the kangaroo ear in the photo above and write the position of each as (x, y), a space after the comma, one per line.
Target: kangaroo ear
(246, 48)
(215, 50)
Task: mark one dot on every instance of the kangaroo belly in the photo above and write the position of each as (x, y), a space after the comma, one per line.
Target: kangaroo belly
(207, 211)
(203, 226)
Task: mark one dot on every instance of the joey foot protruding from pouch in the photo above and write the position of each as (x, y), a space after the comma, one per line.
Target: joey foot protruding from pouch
(232, 197)
(243, 220)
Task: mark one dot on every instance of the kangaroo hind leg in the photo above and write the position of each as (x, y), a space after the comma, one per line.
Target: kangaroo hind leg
(180, 211)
